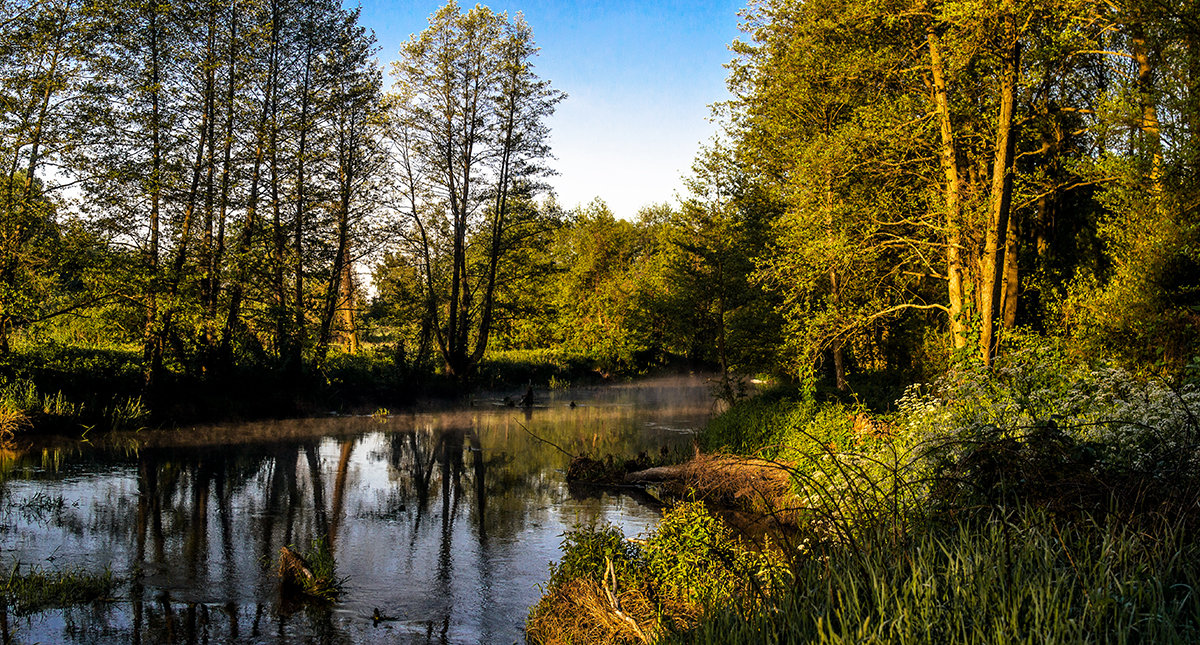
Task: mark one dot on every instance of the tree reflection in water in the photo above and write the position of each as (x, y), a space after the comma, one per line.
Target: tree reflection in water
(444, 522)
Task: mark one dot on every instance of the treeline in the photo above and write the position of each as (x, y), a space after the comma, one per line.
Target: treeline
(898, 186)
(949, 172)
(195, 176)
(207, 179)
(594, 292)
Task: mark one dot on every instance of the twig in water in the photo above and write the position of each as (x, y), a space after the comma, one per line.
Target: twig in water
(545, 440)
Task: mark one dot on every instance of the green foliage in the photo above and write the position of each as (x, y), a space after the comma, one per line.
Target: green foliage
(586, 552)
(691, 563)
(65, 386)
(694, 555)
(1037, 394)
(548, 367)
(781, 427)
(1046, 499)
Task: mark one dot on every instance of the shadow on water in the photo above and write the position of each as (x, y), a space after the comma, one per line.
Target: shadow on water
(441, 523)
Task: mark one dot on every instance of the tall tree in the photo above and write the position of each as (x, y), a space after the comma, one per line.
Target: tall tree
(472, 115)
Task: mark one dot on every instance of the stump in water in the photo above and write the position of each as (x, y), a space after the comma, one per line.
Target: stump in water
(294, 571)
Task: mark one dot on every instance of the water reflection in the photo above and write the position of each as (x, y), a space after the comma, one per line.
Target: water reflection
(444, 521)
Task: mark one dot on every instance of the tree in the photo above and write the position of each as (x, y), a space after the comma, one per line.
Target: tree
(469, 135)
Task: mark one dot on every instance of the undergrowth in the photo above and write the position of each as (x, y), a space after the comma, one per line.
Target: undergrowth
(610, 589)
(1028, 578)
(1043, 500)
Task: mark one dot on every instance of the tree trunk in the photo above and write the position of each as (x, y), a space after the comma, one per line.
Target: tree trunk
(149, 333)
(498, 226)
(835, 289)
(1149, 111)
(217, 262)
(237, 288)
(995, 241)
(1010, 288)
(950, 168)
(299, 333)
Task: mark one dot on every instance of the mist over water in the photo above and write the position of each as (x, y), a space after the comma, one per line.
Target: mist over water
(444, 521)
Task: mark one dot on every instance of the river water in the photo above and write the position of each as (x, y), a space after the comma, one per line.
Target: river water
(444, 521)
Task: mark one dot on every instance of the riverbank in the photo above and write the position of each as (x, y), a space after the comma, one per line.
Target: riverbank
(1044, 499)
(68, 389)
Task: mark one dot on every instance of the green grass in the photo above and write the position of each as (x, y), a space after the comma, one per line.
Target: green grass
(1024, 580)
(781, 425)
(692, 560)
(37, 589)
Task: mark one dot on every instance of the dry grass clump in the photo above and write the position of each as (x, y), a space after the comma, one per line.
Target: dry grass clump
(726, 481)
(12, 422)
(583, 611)
(757, 485)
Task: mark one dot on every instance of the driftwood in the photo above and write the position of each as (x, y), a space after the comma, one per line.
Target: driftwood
(754, 485)
(657, 474)
(614, 600)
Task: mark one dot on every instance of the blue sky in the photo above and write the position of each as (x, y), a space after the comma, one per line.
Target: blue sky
(639, 77)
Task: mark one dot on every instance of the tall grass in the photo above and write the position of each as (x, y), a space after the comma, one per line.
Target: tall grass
(1027, 579)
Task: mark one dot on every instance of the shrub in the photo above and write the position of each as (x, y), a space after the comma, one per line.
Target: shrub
(782, 428)
(610, 589)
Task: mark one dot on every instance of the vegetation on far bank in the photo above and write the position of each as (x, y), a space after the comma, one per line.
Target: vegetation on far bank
(71, 388)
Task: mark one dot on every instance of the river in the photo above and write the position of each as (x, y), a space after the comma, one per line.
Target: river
(445, 521)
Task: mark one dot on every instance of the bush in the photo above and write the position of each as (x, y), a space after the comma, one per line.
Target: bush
(610, 589)
(783, 428)
(1039, 424)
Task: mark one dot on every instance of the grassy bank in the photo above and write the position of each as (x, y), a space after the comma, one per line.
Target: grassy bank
(68, 389)
(1044, 500)
(64, 388)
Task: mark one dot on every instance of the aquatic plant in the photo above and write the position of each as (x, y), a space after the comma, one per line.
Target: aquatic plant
(312, 573)
(12, 422)
(37, 589)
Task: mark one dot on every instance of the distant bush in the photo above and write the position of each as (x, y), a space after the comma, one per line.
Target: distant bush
(783, 427)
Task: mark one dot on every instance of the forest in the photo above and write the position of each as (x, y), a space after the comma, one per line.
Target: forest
(194, 190)
(943, 258)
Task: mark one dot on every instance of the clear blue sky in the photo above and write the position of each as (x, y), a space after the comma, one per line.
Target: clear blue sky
(639, 77)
